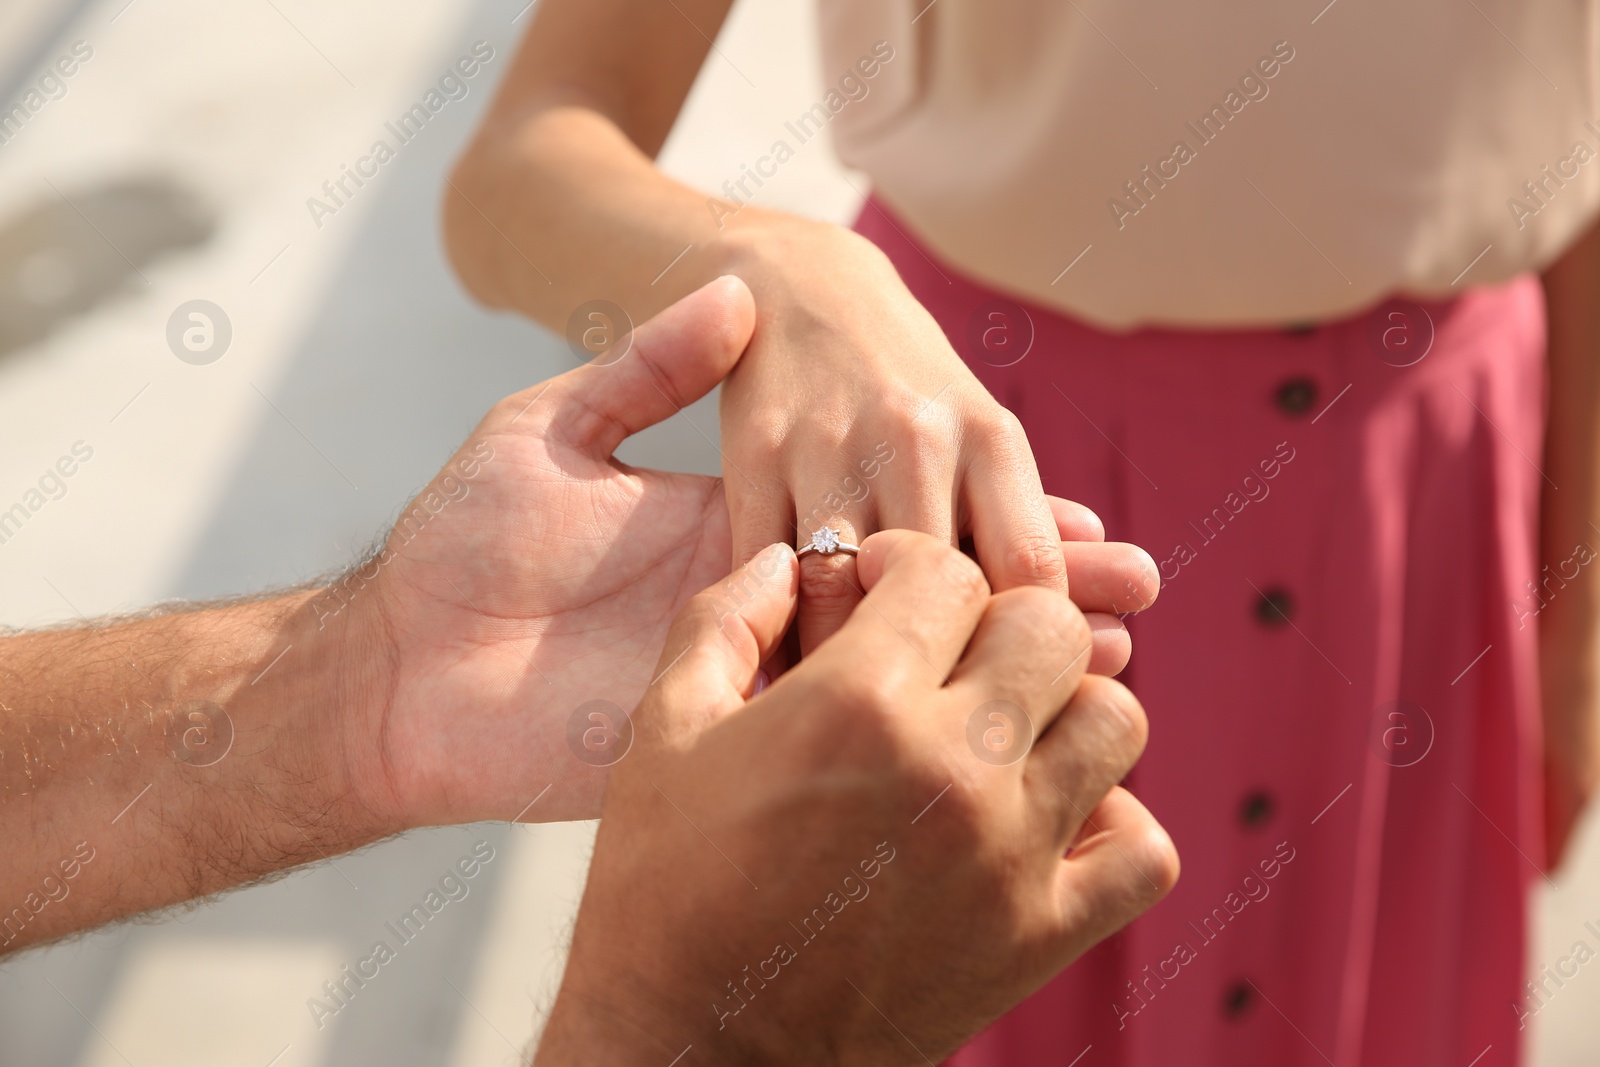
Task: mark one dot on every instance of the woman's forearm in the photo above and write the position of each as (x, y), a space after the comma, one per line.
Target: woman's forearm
(558, 201)
(558, 207)
(557, 204)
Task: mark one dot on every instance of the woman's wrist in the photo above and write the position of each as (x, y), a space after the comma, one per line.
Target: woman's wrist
(768, 247)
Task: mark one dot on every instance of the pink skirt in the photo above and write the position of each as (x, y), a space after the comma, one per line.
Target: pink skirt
(1340, 674)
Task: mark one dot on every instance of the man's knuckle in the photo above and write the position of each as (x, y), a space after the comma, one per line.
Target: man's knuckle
(1118, 712)
(963, 814)
(1066, 621)
(865, 705)
(953, 570)
(1052, 617)
(1077, 635)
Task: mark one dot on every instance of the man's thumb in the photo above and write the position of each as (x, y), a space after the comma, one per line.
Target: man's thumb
(718, 642)
(665, 365)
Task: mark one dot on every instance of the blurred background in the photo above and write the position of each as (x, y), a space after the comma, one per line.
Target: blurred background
(343, 365)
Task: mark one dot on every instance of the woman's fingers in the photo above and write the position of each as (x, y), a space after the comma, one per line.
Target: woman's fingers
(830, 589)
(1074, 521)
(922, 500)
(760, 512)
(1112, 647)
(916, 488)
(1113, 577)
(882, 488)
(1013, 527)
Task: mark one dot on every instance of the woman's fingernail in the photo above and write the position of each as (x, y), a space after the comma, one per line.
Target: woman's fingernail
(762, 681)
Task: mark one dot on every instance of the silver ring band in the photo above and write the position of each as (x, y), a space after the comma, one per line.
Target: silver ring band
(825, 542)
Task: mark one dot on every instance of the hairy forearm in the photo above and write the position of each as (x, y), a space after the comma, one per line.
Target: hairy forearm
(151, 761)
(1569, 618)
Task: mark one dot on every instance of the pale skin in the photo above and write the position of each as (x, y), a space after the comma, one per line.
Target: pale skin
(557, 202)
(435, 690)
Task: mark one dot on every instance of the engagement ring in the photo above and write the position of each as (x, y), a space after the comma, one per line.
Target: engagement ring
(825, 542)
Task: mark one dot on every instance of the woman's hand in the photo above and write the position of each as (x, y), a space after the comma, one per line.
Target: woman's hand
(851, 410)
(548, 580)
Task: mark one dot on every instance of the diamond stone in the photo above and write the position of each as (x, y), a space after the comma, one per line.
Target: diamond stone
(826, 540)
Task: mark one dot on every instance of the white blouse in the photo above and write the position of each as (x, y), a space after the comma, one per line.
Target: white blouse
(1250, 162)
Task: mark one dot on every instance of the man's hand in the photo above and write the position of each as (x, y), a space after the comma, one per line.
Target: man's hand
(454, 677)
(548, 584)
(537, 596)
(851, 867)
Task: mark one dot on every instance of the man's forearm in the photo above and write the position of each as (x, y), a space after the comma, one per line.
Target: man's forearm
(148, 762)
